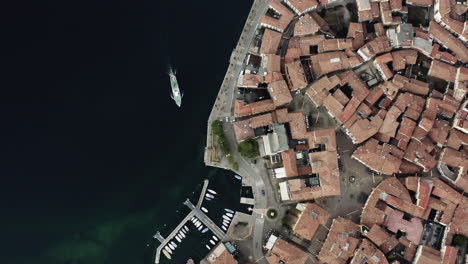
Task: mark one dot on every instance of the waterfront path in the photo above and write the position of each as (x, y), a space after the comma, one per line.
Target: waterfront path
(253, 175)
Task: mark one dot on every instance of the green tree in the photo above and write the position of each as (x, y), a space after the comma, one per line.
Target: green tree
(217, 127)
(249, 148)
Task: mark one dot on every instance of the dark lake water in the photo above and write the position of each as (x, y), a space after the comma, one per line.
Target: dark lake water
(94, 155)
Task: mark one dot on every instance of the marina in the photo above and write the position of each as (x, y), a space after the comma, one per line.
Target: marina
(201, 221)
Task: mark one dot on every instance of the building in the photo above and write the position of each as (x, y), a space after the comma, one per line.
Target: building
(281, 251)
(310, 218)
(342, 240)
(220, 255)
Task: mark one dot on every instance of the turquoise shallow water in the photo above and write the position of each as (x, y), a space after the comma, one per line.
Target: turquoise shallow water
(94, 155)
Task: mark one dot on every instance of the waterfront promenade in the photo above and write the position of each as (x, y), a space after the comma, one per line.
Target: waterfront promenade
(223, 106)
(253, 175)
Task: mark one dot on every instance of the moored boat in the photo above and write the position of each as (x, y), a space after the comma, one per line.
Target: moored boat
(168, 256)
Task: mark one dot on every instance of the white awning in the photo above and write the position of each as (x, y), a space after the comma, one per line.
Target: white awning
(284, 191)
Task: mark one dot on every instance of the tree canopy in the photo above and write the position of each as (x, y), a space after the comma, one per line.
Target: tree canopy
(249, 148)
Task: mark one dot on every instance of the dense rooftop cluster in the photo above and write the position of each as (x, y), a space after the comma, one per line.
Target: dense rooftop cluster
(396, 89)
(412, 220)
(395, 80)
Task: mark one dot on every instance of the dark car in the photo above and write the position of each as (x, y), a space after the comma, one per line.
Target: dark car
(263, 192)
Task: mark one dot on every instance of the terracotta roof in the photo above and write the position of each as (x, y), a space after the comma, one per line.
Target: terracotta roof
(289, 162)
(420, 2)
(309, 221)
(390, 124)
(335, 44)
(395, 222)
(448, 40)
(282, 115)
(427, 255)
(382, 238)
(449, 255)
(285, 16)
(302, 6)
(318, 91)
(297, 125)
(373, 214)
(306, 42)
(262, 120)
(243, 109)
(273, 62)
(417, 153)
(375, 47)
(325, 164)
(286, 252)
(306, 25)
(270, 42)
(324, 63)
(243, 130)
(279, 92)
(385, 159)
(296, 76)
(363, 129)
(456, 139)
(368, 253)
(341, 242)
(442, 71)
(323, 24)
(225, 258)
(402, 58)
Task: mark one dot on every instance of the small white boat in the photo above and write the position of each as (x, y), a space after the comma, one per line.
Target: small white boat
(225, 225)
(200, 228)
(207, 247)
(168, 256)
(212, 242)
(197, 224)
(182, 235)
(168, 249)
(226, 217)
(229, 210)
(224, 228)
(229, 214)
(174, 244)
(204, 210)
(208, 199)
(238, 177)
(215, 238)
(205, 230)
(210, 196)
(171, 246)
(211, 191)
(178, 239)
(186, 228)
(226, 222)
(191, 219)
